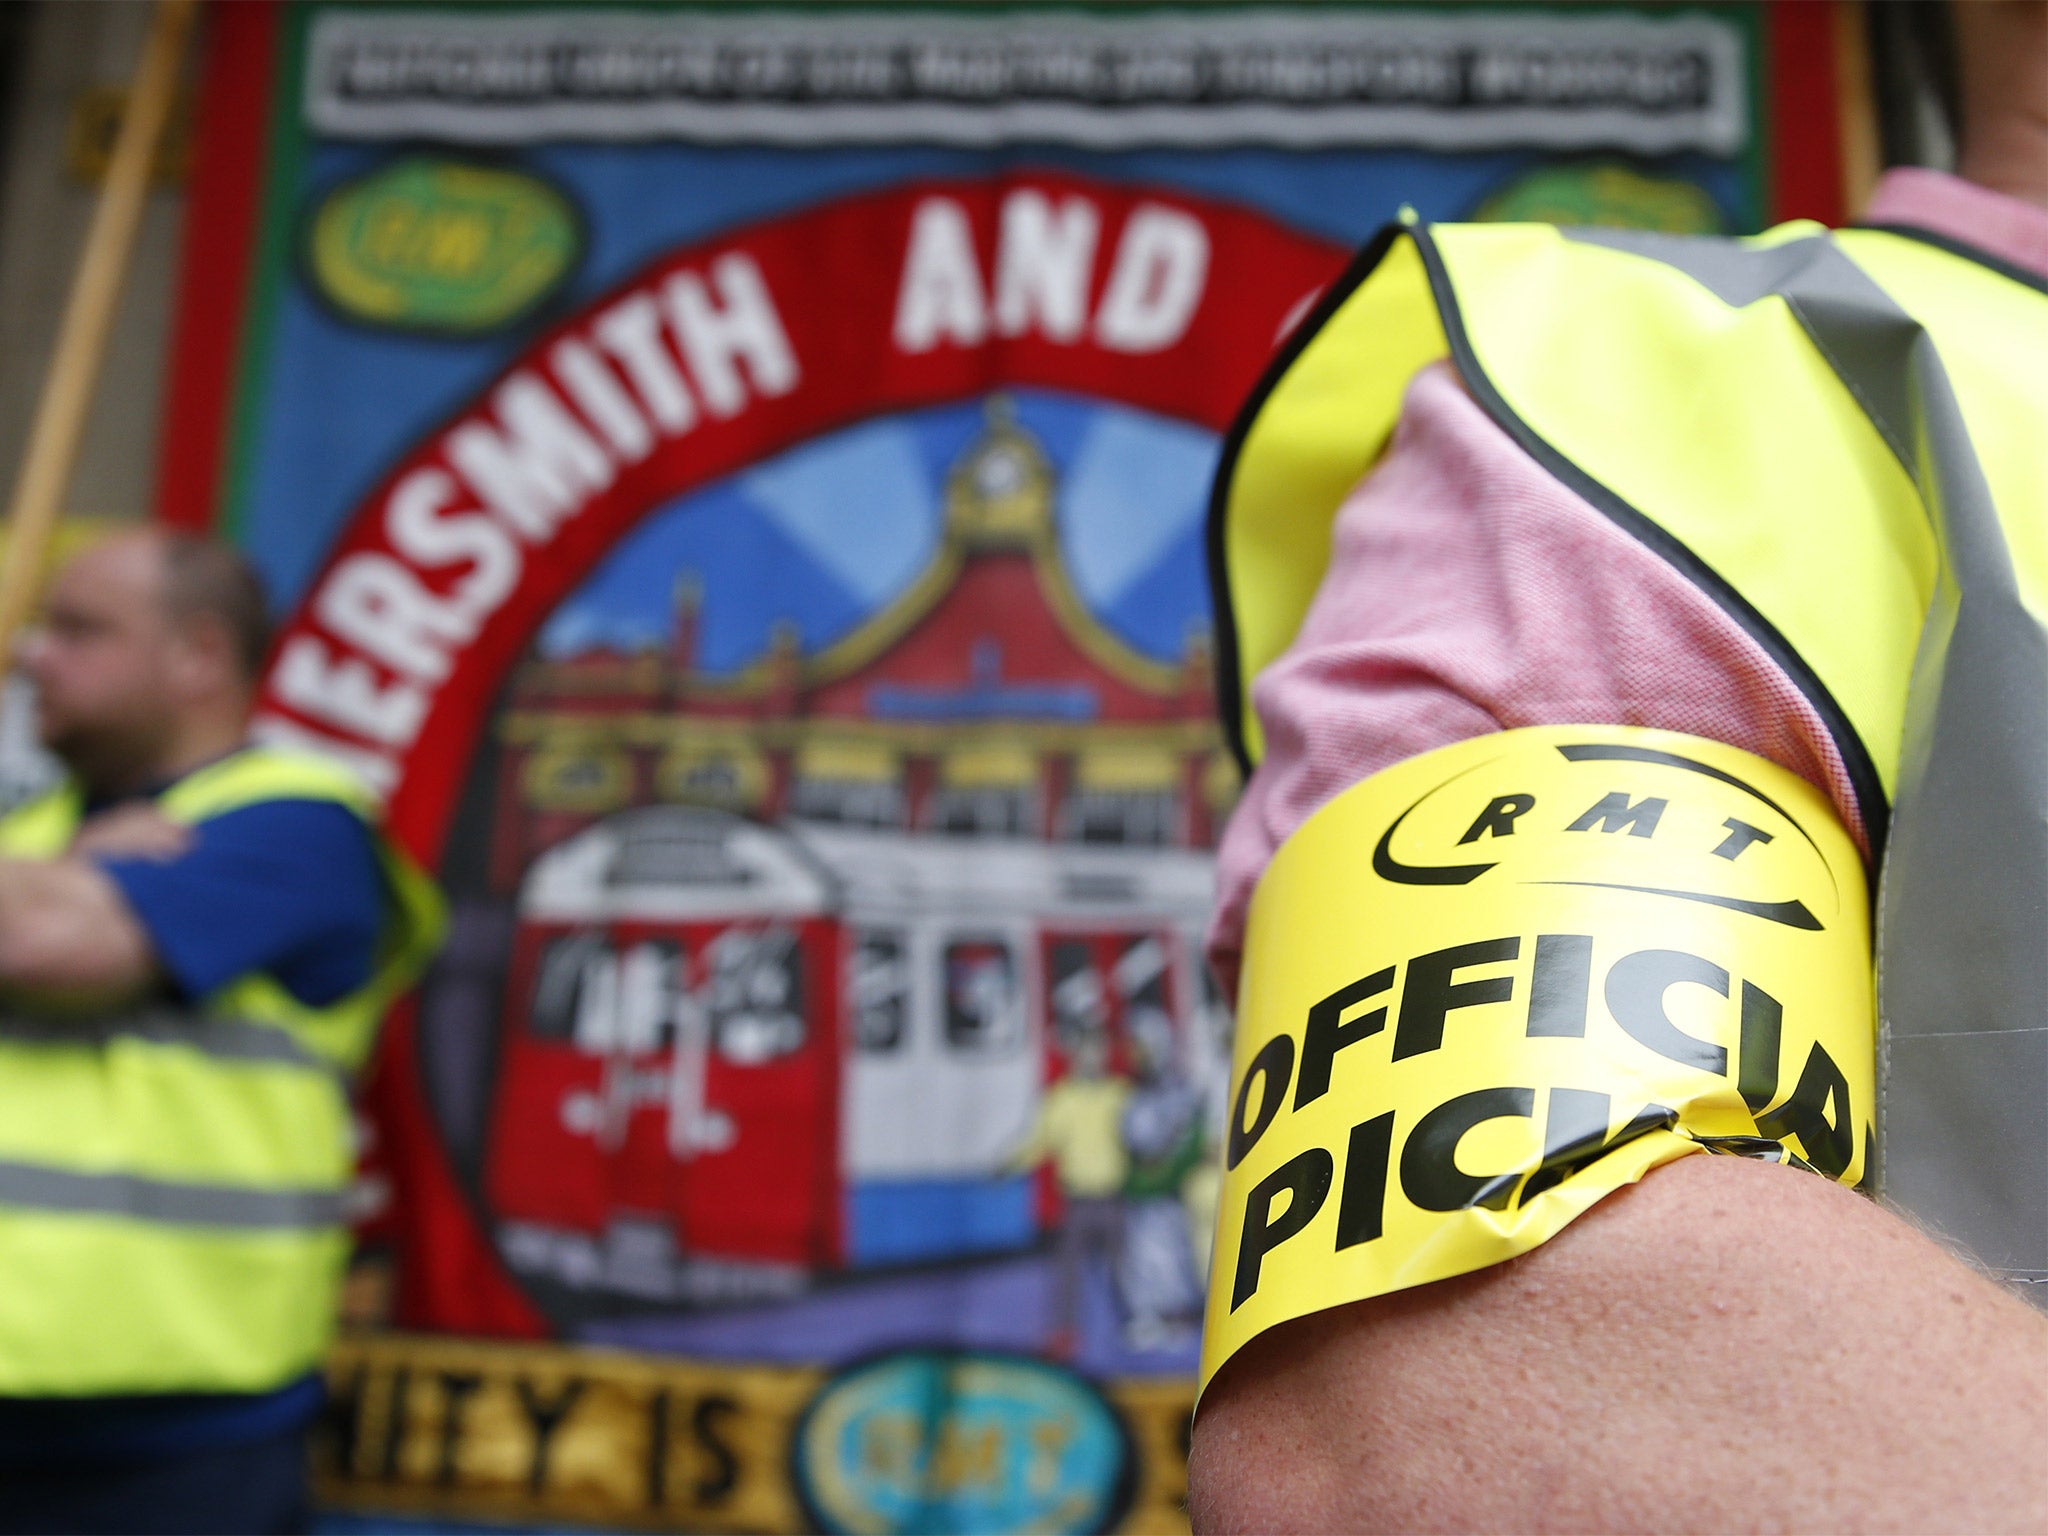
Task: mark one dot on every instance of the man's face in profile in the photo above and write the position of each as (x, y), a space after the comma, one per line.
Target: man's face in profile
(102, 657)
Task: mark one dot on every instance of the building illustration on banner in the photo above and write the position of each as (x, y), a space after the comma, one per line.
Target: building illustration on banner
(858, 941)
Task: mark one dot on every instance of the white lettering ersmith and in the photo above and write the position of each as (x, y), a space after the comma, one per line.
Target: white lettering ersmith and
(455, 536)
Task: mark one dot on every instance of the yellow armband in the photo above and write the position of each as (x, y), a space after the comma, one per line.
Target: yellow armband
(1488, 986)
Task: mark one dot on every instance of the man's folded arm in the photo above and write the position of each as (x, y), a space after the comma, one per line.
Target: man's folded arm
(67, 933)
(1728, 1344)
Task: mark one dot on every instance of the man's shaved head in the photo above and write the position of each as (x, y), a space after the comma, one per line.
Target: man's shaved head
(147, 655)
(204, 580)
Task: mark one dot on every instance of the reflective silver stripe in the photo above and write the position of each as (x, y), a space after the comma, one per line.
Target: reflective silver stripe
(1963, 909)
(1962, 936)
(221, 1039)
(32, 1186)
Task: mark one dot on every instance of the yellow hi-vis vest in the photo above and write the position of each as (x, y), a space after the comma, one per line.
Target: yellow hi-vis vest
(172, 1181)
(1843, 440)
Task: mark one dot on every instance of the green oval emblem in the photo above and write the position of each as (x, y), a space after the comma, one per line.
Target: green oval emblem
(1603, 192)
(426, 244)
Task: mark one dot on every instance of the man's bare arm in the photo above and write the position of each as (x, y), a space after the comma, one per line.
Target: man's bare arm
(1728, 1346)
(68, 936)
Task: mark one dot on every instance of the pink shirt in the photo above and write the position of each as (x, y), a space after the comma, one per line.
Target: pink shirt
(1469, 591)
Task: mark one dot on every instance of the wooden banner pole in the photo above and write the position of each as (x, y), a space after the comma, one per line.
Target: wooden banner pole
(1856, 105)
(53, 440)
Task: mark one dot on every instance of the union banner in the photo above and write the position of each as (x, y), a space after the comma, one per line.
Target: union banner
(735, 481)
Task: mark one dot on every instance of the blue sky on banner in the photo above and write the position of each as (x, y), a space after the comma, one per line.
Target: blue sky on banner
(825, 534)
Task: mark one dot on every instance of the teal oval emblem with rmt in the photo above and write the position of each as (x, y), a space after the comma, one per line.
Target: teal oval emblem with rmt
(937, 1441)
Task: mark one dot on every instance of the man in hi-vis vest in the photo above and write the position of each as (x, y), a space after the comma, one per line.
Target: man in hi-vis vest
(1639, 907)
(198, 938)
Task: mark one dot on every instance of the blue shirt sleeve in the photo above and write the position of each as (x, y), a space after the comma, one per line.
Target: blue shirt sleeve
(291, 888)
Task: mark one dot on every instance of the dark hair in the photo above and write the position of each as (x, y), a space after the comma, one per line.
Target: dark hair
(1917, 92)
(207, 580)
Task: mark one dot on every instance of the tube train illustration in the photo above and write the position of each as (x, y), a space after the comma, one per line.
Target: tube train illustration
(804, 1048)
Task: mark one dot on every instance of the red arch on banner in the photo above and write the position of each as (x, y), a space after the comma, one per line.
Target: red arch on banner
(835, 274)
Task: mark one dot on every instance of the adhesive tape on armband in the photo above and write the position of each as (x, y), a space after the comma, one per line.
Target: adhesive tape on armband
(1492, 984)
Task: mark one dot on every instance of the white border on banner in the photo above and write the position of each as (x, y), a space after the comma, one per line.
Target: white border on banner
(1292, 79)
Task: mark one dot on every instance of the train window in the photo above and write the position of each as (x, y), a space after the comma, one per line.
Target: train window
(879, 990)
(1141, 972)
(607, 1000)
(1141, 981)
(560, 981)
(644, 998)
(757, 994)
(984, 1003)
(1079, 996)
